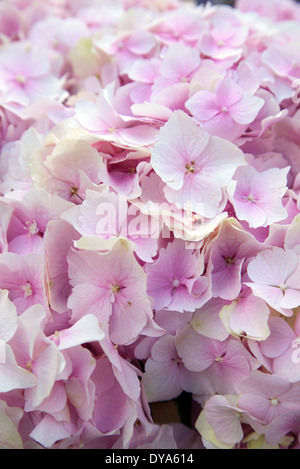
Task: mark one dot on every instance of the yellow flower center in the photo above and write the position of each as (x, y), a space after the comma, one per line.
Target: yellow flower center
(31, 227)
(27, 289)
(21, 79)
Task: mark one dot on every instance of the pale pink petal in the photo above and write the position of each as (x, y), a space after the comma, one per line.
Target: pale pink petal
(45, 367)
(161, 380)
(272, 266)
(179, 141)
(281, 426)
(245, 111)
(12, 375)
(85, 330)
(196, 350)
(203, 105)
(8, 317)
(49, 430)
(280, 338)
(228, 93)
(222, 417)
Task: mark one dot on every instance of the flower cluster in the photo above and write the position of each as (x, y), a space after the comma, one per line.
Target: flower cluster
(149, 223)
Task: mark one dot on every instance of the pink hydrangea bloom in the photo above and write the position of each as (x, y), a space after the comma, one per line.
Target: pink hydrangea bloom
(165, 375)
(275, 276)
(228, 112)
(30, 218)
(227, 254)
(226, 419)
(266, 396)
(247, 316)
(257, 196)
(23, 277)
(26, 76)
(226, 36)
(116, 284)
(193, 164)
(102, 119)
(68, 170)
(224, 364)
(175, 279)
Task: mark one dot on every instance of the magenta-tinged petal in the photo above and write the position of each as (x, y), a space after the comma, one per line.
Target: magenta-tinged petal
(106, 416)
(226, 282)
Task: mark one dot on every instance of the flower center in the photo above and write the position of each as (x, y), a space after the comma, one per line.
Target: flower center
(31, 227)
(27, 289)
(251, 198)
(132, 170)
(21, 79)
(220, 357)
(73, 190)
(29, 365)
(190, 167)
(114, 289)
(229, 260)
(274, 401)
(224, 109)
(177, 360)
(176, 283)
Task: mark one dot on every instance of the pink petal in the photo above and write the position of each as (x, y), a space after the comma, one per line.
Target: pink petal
(203, 105)
(161, 381)
(245, 111)
(228, 93)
